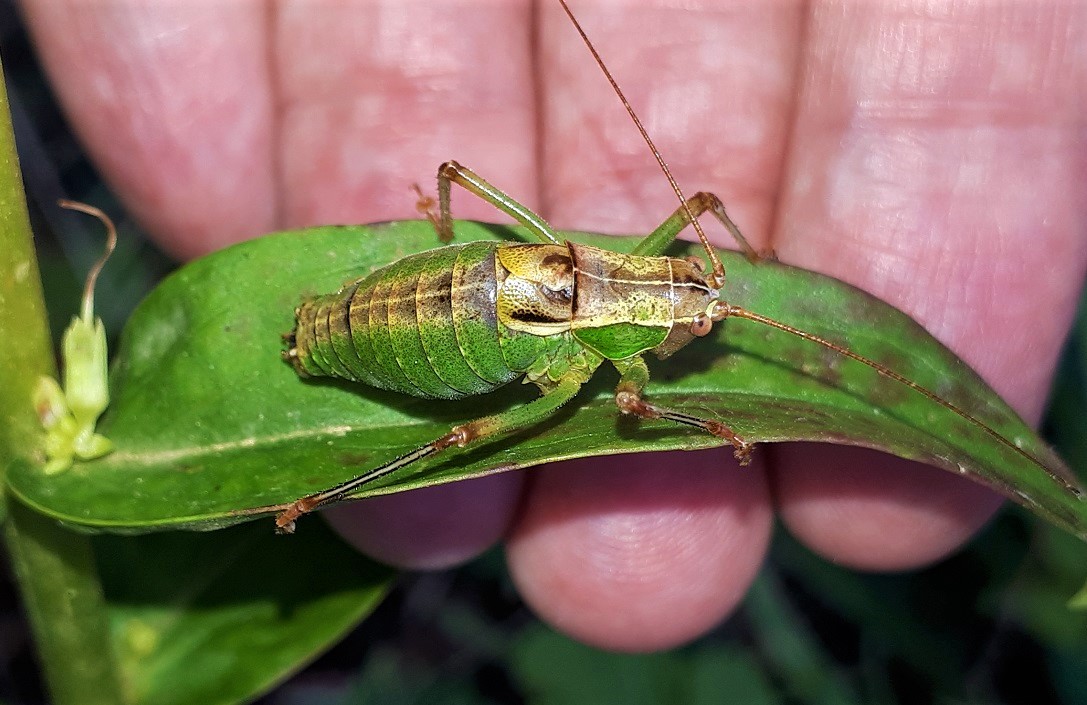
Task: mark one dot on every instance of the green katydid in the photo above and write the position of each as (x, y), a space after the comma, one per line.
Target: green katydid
(462, 320)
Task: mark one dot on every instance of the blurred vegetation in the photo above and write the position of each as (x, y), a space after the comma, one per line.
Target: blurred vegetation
(988, 626)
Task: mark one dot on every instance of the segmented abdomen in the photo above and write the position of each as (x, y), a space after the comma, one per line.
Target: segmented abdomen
(425, 325)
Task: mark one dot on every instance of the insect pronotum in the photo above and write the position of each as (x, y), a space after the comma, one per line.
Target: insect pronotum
(462, 320)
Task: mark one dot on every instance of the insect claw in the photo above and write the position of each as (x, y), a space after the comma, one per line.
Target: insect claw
(743, 451)
(285, 520)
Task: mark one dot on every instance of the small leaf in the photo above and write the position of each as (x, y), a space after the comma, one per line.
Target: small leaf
(59, 424)
(1079, 600)
(212, 426)
(217, 618)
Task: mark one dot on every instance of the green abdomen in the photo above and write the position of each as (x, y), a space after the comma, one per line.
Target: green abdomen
(425, 325)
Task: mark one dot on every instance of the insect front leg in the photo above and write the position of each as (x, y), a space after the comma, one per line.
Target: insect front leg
(634, 376)
(657, 241)
(460, 436)
(453, 173)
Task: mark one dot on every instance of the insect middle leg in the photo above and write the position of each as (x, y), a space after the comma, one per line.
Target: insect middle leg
(657, 241)
(460, 436)
(634, 376)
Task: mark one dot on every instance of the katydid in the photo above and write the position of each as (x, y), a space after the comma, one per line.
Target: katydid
(462, 320)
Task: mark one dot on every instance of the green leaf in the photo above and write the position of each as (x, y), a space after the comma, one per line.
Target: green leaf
(211, 426)
(215, 618)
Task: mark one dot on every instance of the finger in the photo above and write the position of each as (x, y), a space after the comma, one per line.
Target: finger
(712, 85)
(871, 511)
(575, 567)
(373, 98)
(932, 171)
(640, 553)
(431, 528)
(376, 95)
(173, 102)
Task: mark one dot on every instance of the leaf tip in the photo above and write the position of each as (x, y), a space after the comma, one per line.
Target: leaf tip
(1079, 600)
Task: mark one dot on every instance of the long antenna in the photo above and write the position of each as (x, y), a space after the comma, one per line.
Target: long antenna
(724, 310)
(718, 268)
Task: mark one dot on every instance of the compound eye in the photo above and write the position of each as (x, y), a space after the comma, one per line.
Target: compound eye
(697, 263)
(701, 325)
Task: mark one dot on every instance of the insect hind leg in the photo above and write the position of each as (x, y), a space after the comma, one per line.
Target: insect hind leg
(628, 397)
(460, 436)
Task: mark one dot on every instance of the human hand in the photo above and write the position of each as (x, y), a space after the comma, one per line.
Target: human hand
(935, 161)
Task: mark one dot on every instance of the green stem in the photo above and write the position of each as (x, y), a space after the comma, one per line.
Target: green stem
(54, 567)
(64, 602)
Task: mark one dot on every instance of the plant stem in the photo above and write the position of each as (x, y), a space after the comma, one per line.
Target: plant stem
(64, 602)
(54, 567)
